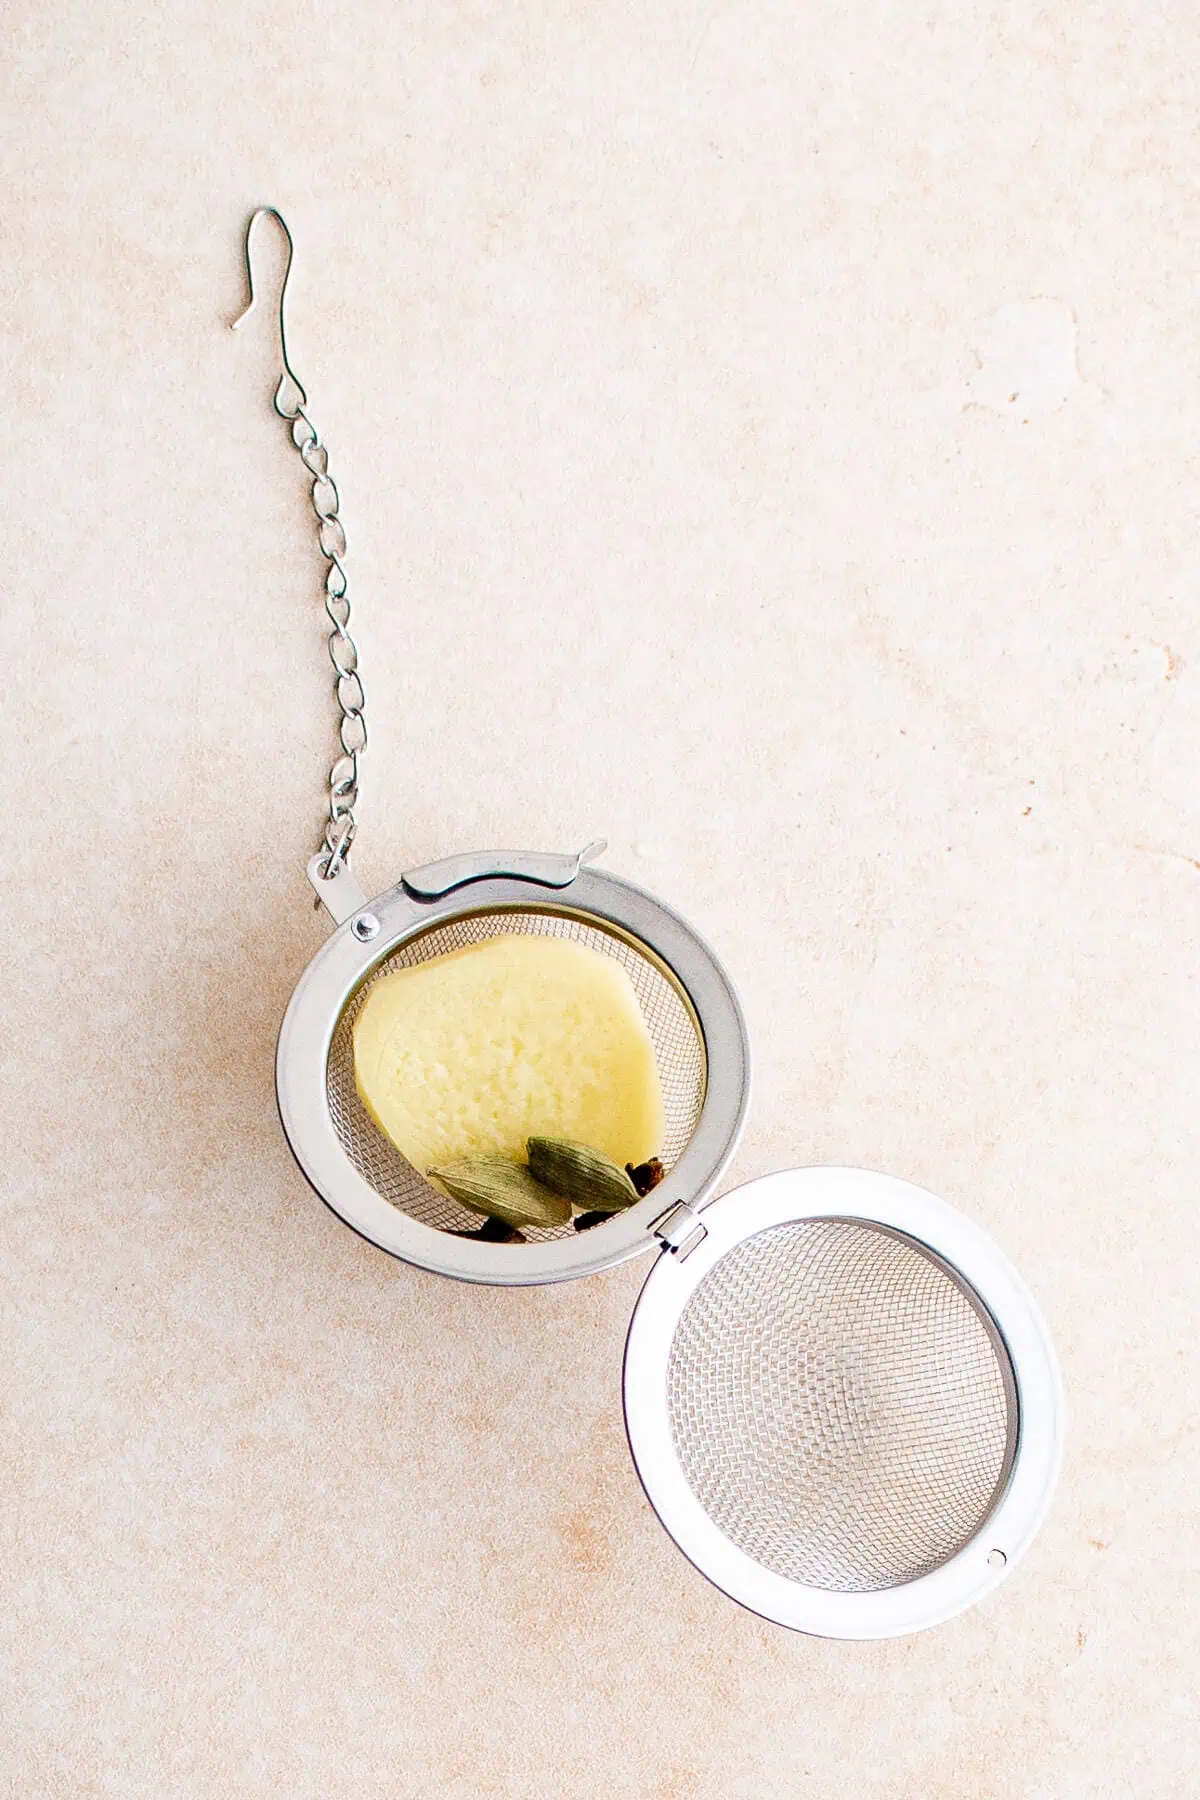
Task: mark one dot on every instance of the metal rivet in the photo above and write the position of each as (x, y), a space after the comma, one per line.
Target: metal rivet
(365, 927)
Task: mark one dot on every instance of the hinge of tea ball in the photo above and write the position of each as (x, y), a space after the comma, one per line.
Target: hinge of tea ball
(680, 1229)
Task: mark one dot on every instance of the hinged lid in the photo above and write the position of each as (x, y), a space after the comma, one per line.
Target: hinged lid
(842, 1402)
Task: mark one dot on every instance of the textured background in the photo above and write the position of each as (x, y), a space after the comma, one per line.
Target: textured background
(767, 437)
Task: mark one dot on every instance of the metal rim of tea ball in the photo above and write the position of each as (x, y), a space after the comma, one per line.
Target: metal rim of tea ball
(608, 909)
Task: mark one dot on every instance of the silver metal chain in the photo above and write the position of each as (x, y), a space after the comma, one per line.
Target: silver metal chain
(340, 823)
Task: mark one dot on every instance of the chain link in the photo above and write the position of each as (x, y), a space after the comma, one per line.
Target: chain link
(340, 823)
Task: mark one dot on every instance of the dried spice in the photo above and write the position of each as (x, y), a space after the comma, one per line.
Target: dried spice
(494, 1231)
(502, 1189)
(561, 1174)
(645, 1176)
(587, 1177)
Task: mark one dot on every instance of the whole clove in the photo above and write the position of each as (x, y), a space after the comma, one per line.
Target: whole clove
(645, 1176)
(494, 1231)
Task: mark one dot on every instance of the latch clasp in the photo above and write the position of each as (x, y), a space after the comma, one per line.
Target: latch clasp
(433, 880)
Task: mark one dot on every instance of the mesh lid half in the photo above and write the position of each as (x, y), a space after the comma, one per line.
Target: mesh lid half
(842, 1403)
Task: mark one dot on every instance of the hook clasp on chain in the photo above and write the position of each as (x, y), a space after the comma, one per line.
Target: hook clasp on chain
(289, 374)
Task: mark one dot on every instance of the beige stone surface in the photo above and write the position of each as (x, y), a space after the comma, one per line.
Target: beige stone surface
(768, 437)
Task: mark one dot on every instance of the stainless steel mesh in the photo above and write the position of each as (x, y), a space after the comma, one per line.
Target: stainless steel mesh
(841, 1405)
(674, 1032)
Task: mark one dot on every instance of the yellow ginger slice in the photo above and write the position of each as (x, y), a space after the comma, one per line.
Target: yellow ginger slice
(474, 1052)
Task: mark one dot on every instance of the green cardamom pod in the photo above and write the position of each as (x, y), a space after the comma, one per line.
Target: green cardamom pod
(502, 1189)
(586, 1176)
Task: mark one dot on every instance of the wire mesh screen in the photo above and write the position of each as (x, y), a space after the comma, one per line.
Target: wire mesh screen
(841, 1407)
(678, 1050)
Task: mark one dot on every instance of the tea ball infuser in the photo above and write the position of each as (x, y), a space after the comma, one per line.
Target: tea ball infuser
(840, 1398)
